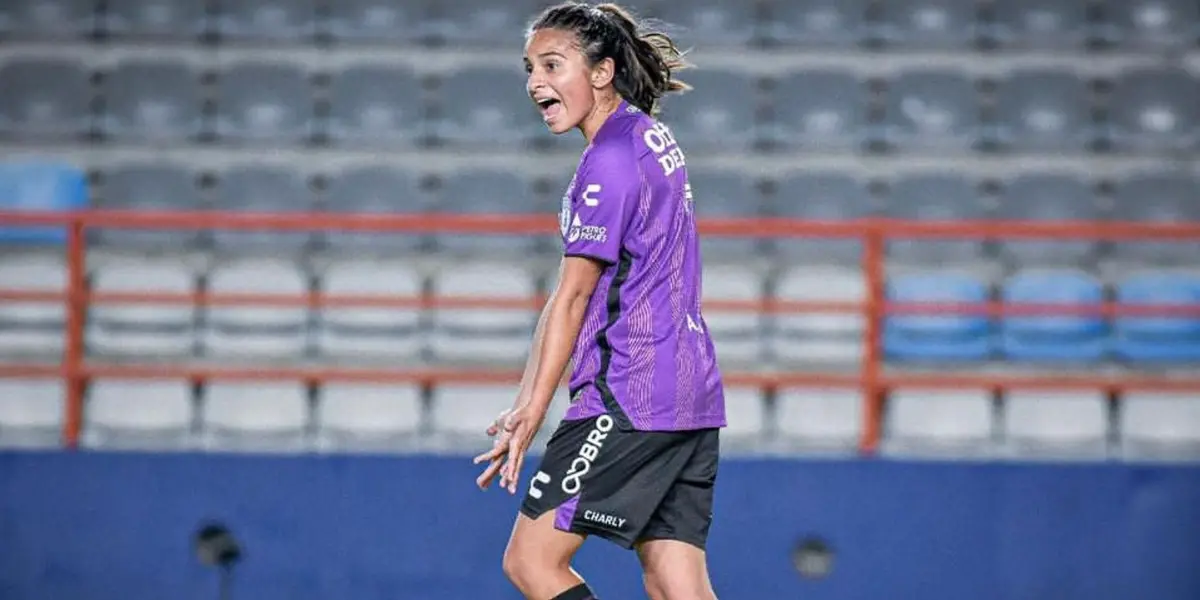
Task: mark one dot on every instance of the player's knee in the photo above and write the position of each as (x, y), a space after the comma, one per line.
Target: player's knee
(515, 567)
(673, 587)
(524, 564)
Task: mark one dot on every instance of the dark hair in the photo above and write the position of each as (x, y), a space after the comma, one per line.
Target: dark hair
(644, 59)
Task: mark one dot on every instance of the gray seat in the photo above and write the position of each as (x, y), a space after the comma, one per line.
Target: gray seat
(1157, 197)
(480, 22)
(475, 335)
(238, 332)
(139, 415)
(939, 423)
(817, 22)
(43, 19)
(263, 101)
(931, 110)
(820, 421)
(356, 332)
(720, 194)
(155, 18)
(374, 20)
(718, 114)
(1057, 425)
(152, 101)
(137, 329)
(934, 197)
(1043, 110)
(485, 192)
(374, 190)
(368, 417)
(746, 412)
(709, 23)
(1160, 426)
(927, 23)
(808, 338)
(1154, 109)
(736, 334)
(259, 189)
(1048, 197)
(44, 98)
(502, 117)
(819, 110)
(255, 416)
(32, 329)
(462, 412)
(267, 19)
(1040, 24)
(148, 187)
(1151, 24)
(32, 412)
(822, 196)
(375, 105)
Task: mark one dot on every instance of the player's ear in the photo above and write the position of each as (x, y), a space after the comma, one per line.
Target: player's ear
(602, 73)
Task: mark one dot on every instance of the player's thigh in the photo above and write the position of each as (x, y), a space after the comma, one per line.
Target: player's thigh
(675, 570)
(537, 543)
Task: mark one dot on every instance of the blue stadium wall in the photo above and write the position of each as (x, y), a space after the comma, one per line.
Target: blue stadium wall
(117, 526)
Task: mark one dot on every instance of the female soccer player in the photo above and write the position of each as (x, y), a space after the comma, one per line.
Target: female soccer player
(635, 458)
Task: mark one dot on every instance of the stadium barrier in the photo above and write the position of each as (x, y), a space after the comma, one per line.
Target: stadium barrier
(871, 379)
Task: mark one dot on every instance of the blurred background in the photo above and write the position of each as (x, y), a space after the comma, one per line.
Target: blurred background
(236, 348)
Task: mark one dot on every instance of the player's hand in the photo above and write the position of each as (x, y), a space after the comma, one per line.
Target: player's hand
(495, 456)
(521, 426)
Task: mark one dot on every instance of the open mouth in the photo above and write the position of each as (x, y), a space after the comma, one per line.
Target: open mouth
(549, 107)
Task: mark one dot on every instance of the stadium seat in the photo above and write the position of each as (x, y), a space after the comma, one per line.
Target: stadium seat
(813, 338)
(236, 332)
(1151, 24)
(462, 412)
(32, 329)
(152, 186)
(483, 334)
(485, 192)
(152, 101)
(374, 21)
(930, 111)
(1042, 110)
(1158, 339)
(934, 196)
(745, 413)
(737, 335)
(501, 118)
(1157, 196)
(137, 329)
(480, 23)
(819, 420)
(819, 110)
(30, 185)
(139, 415)
(1048, 197)
(366, 332)
(376, 105)
(372, 189)
(165, 19)
(941, 423)
(259, 416)
(726, 194)
(1154, 109)
(942, 24)
(1078, 338)
(710, 23)
(1160, 426)
(261, 188)
(44, 99)
(1040, 24)
(720, 113)
(264, 102)
(31, 412)
(47, 19)
(822, 196)
(267, 20)
(366, 417)
(1055, 425)
(937, 337)
(833, 23)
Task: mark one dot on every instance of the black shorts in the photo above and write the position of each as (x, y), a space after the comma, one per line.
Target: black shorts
(627, 486)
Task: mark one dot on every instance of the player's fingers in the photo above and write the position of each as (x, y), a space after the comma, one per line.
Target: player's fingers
(496, 451)
(516, 470)
(488, 474)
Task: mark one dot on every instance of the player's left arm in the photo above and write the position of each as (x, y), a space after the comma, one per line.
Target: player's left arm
(564, 318)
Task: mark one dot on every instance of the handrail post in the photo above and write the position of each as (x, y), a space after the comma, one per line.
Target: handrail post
(76, 314)
(872, 367)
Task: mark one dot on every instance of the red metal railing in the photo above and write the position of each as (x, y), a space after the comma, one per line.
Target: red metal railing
(871, 379)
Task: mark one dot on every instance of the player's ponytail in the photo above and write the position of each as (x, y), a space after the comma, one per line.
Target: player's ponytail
(645, 60)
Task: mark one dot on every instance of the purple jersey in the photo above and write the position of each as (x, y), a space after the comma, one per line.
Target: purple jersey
(644, 354)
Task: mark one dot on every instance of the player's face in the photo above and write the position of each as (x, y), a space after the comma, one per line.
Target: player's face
(560, 79)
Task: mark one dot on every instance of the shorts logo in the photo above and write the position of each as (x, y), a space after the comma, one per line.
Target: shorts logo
(600, 518)
(541, 477)
(587, 453)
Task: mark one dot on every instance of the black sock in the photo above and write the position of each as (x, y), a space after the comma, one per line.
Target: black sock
(579, 592)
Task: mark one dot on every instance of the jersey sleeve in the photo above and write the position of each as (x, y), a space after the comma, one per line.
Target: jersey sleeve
(602, 204)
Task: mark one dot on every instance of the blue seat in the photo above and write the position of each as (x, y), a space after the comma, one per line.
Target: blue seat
(33, 186)
(949, 337)
(819, 109)
(1054, 337)
(1153, 110)
(1042, 110)
(930, 110)
(1158, 339)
